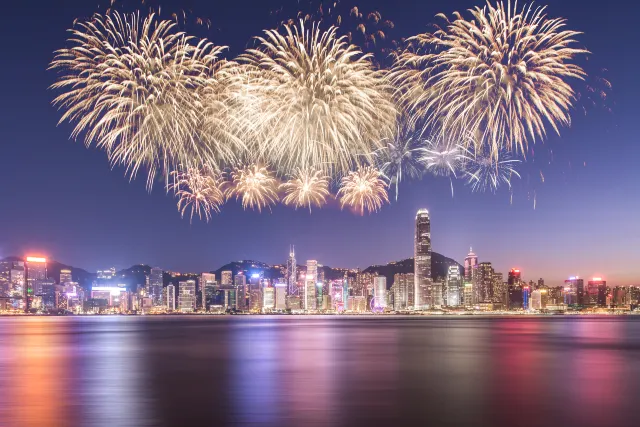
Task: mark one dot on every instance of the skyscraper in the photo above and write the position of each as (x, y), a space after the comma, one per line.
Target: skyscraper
(36, 268)
(170, 297)
(422, 261)
(515, 298)
(380, 292)
(470, 264)
(187, 296)
(454, 286)
(575, 293)
(310, 285)
(603, 291)
(484, 280)
(345, 291)
(155, 286)
(292, 272)
(65, 276)
(207, 289)
(499, 288)
(226, 278)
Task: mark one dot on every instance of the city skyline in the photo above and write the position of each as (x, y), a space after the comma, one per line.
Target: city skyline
(64, 201)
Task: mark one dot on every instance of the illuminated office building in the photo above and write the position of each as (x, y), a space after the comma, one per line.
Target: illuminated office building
(187, 296)
(484, 281)
(515, 300)
(226, 278)
(268, 299)
(155, 286)
(170, 297)
(574, 292)
(292, 272)
(468, 295)
(240, 283)
(470, 265)
(602, 290)
(281, 296)
(65, 276)
(404, 285)
(422, 261)
(311, 281)
(380, 292)
(499, 288)
(454, 286)
(208, 289)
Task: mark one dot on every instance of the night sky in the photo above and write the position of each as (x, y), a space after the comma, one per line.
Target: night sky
(62, 200)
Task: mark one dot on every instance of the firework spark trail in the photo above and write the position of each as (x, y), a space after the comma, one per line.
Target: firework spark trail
(364, 189)
(500, 75)
(317, 102)
(306, 189)
(136, 87)
(486, 172)
(401, 157)
(442, 157)
(255, 185)
(199, 191)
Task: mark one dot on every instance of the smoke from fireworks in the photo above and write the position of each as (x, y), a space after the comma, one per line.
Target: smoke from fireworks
(255, 185)
(319, 103)
(400, 157)
(135, 87)
(500, 75)
(306, 189)
(485, 171)
(364, 189)
(200, 192)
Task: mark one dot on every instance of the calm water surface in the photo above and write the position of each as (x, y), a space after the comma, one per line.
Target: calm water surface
(303, 371)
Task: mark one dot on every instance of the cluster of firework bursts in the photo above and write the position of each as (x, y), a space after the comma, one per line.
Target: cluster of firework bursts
(202, 192)
(312, 100)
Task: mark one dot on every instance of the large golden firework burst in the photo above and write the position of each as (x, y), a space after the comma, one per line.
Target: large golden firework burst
(501, 75)
(317, 102)
(140, 90)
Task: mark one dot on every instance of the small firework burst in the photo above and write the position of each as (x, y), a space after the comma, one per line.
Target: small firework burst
(306, 189)
(255, 185)
(364, 190)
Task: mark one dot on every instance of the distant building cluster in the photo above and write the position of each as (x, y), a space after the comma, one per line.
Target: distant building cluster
(27, 286)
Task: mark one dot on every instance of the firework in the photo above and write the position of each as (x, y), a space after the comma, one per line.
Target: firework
(306, 189)
(198, 191)
(366, 29)
(363, 190)
(136, 87)
(444, 158)
(318, 102)
(401, 157)
(499, 75)
(255, 185)
(488, 172)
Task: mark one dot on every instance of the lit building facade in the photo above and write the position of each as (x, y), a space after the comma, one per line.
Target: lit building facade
(156, 283)
(422, 261)
(170, 297)
(292, 273)
(470, 265)
(187, 296)
(226, 278)
(311, 281)
(454, 286)
(380, 292)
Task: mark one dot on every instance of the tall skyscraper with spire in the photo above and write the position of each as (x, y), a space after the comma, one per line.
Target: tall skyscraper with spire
(292, 272)
(470, 266)
(422, 261)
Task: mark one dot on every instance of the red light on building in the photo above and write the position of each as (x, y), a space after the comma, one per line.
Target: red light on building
(36, 259)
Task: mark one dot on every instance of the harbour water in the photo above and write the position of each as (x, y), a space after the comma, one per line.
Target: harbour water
(315, 371)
